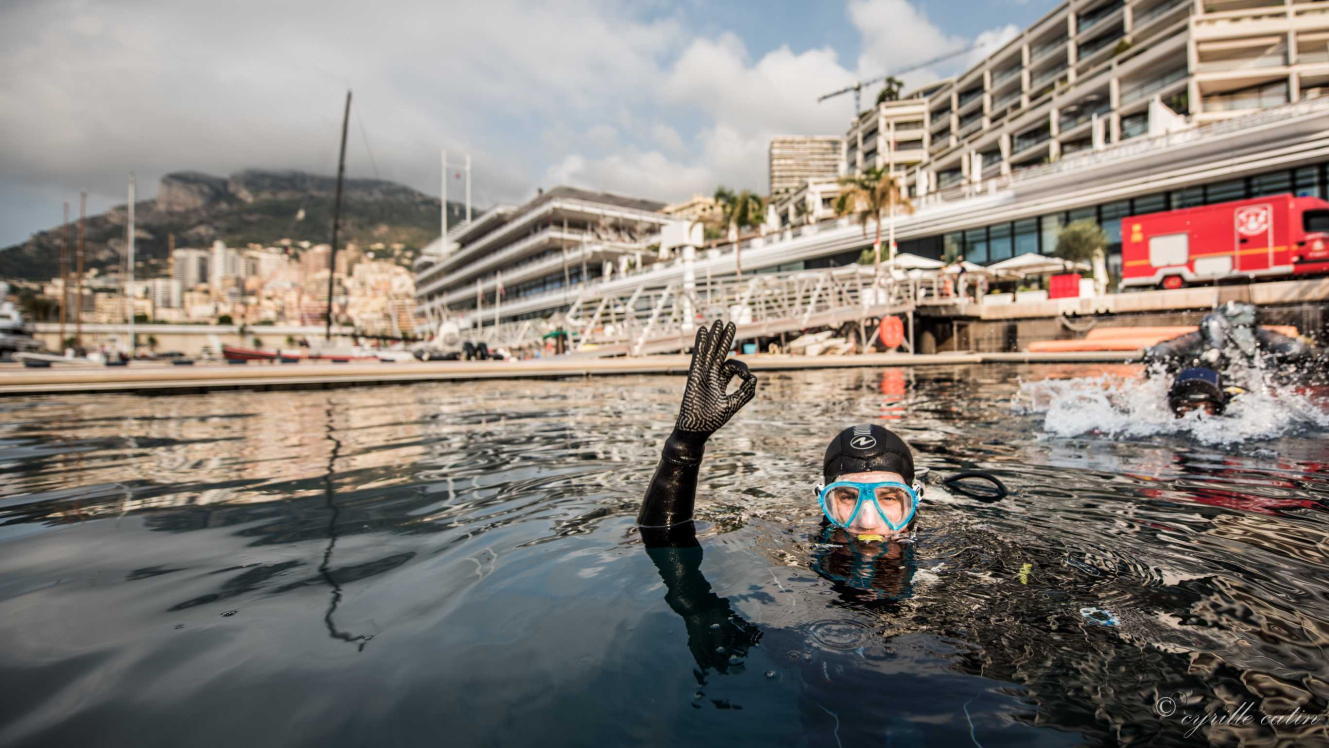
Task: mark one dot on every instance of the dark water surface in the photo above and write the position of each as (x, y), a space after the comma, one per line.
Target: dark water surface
(457, 564)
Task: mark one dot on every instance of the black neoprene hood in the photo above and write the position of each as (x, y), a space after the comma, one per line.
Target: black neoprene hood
(867, 448)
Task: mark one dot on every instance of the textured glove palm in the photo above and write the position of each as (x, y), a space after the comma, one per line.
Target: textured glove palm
(706, 407)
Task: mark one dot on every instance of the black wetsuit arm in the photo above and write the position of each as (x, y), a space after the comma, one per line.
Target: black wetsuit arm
(1280, 345)
(1177, 351)
(673, 490)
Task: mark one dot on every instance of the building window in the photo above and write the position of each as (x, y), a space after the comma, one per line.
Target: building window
(1051, 231)
(976, 245)
(1308, 182)
(1082, 214)
(1277, 183)
(1112, 214)
(999, 242)
(1150, 204)
(1222, 192)
(1190, 197)
(952, 244)
(1026, 236)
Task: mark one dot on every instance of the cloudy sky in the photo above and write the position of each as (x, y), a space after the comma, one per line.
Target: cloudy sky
(647, 98)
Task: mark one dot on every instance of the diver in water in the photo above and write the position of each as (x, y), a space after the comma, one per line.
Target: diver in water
(1228, 334)
(1228, 337)
(867, 491)
(868, 498)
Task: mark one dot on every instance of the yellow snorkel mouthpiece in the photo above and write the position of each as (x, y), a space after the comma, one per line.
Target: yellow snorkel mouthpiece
(871, 538)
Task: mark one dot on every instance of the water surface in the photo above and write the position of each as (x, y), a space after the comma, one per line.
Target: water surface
(456, 564)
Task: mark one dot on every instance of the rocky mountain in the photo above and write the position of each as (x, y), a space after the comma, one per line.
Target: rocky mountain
(251, 206)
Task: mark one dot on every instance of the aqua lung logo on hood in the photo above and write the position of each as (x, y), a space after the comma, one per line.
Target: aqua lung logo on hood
(863, 438)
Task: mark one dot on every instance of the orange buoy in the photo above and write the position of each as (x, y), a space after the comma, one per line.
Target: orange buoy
(891, 332)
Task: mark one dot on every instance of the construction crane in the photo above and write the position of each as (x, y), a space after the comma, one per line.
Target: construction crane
(857, 88)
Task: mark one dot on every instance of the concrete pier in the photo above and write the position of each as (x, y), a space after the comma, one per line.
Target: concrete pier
(154, 378)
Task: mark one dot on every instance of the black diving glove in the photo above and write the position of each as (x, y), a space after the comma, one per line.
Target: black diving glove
(705, 409)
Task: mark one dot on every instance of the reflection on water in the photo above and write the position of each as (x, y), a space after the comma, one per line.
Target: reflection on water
(457, 563)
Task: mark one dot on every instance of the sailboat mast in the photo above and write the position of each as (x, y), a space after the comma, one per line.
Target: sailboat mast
(78, 294)
(64, 276)
(336, 215)
(129, 264)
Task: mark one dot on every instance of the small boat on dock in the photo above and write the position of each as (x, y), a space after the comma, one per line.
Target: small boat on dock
(236, 353)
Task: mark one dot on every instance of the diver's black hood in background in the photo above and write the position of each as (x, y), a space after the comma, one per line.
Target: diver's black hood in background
(865, 448)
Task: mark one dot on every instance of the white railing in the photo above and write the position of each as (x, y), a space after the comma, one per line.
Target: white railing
(656, 317)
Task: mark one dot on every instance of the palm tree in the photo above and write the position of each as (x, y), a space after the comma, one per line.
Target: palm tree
(890, 90)
(741, 210)
(1085, 241)
(866, 196)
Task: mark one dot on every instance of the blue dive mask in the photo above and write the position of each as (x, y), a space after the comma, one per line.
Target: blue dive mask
(842, 501)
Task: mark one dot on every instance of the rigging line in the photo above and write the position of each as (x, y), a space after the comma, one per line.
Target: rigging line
(363, 134)
(329, 164)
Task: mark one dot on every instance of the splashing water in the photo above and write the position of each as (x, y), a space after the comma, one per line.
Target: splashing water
(1121, 407)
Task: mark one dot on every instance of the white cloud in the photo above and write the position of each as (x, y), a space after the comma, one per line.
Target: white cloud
(601, 93)
(747, 101)
(666, 137)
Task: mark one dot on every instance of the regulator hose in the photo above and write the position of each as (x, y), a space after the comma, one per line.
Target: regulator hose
(986, 495)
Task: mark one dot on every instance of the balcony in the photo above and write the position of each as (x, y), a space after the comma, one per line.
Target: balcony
(1150, 87)
(970, 123)
(948, 178)
(1140, 21)
(1088, 49)
(508, 255)
(1001, 76)
(940, 124)
(1259, 97)
(1083, 114)
(1092, 18)
(1044, 51)
(1312, 57)
(968, 97)
(1273, 60)
(1005, 101)
(1241, 23)
(1047, 76)
(1027, 141)
(527, 272)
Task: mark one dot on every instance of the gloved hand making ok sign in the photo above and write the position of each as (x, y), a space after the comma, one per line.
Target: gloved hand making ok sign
(706, 407)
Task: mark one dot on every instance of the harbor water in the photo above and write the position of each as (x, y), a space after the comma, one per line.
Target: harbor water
(457, 564)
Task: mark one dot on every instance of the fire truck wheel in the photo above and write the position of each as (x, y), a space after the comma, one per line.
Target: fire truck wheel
(1172, 282)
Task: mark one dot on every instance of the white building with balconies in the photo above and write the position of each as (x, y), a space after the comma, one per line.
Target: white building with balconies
(1091, 73)
(555, 245)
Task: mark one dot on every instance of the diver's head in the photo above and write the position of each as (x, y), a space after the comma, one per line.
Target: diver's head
(1239, 313)
(1197, 389)
(868, 487)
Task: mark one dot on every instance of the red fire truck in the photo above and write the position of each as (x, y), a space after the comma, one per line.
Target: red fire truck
(1278, 235)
